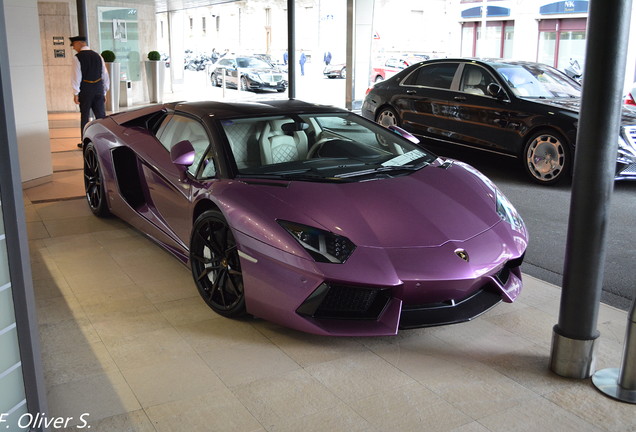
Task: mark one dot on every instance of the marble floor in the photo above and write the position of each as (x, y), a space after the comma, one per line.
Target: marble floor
(127, 345)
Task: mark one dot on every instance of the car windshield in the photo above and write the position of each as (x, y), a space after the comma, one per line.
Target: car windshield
(538, 81)
(252, 62)
(335, 147)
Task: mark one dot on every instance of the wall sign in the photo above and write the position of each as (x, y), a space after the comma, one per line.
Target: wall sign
(58, 40)
(59, 53)
(564, 7)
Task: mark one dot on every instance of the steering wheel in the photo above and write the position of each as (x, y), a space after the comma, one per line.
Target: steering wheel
(313, 151)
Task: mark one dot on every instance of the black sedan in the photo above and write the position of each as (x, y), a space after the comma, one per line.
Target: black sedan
(248, 72)
(525, 110)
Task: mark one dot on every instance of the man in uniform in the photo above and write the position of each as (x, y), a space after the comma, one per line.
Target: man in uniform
(89, 80)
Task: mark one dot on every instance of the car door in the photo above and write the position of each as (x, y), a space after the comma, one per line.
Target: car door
(425, 100)
(229, 70)
(169, 186)
(483, 120)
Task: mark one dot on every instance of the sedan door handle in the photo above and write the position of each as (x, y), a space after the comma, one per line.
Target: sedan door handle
(460, 98)
(411, 92)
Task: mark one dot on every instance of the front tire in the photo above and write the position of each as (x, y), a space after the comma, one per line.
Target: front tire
(387, 117)
(546, 157)
(94, 182)
(216, 266)
(215, 80)
(244, 85)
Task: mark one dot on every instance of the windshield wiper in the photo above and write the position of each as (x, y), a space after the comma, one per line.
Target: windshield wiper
(383, 169)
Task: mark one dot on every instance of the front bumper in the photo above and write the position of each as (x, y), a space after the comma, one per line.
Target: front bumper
(377, 291)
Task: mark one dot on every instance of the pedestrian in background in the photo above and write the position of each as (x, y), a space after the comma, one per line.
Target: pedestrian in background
(327, 58)
(90, 82)
(302, 61)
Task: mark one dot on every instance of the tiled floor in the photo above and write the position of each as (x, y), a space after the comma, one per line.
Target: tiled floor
(128, 344)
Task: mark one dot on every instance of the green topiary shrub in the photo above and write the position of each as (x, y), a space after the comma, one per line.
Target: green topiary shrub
(154, 56)
(108, 56)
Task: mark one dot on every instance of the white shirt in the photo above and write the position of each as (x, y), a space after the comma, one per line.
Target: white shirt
(76, 76)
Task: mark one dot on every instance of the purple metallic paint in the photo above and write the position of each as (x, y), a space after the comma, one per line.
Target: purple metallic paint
(406, 230)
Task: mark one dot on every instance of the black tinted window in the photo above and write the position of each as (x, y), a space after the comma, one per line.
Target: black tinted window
(435, 75)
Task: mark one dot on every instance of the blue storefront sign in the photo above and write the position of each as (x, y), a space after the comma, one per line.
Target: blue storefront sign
(491, 11)
(564, 7)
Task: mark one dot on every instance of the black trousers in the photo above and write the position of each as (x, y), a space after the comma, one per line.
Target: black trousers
(91, 97)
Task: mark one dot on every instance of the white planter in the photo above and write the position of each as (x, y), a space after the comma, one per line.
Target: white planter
(155, 77)
(112, 97)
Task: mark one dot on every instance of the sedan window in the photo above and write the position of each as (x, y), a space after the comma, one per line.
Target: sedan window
(475, 80)
(438, 75)
(538, 81)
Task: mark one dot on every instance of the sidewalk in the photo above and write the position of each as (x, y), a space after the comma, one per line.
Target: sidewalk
(126, 340)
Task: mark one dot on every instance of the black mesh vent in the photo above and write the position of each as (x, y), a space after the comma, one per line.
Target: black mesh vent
(350, 302)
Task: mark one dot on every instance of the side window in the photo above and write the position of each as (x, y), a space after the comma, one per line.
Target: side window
(475, 80)
(181, 128)
(439, 75)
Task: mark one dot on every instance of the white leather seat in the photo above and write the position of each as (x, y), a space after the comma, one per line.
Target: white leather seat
(472, 80)
(279, 147)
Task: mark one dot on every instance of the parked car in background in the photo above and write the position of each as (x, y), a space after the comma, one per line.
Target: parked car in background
(248, 72)
(308, 216)
(337, 70)
(392, 66)
(525, 110)
(630, 95)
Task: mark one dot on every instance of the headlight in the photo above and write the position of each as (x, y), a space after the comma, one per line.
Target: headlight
(254, 76)
(508, 213)
(323, 246)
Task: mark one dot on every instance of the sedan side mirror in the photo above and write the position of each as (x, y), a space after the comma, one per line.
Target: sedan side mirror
(495, 91)
(182, 153)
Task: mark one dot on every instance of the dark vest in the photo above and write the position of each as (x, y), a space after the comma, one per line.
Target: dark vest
(91, 66)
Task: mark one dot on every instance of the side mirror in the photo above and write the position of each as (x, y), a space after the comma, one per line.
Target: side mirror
(404, 134)
(495, 91)
(182, 153)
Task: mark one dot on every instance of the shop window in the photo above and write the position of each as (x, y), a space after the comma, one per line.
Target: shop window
(496, 42)
(562, 40)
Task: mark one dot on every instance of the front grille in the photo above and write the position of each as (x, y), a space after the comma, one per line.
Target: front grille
(630, 134)
(271, 78)
(629, 170)
(335, 301)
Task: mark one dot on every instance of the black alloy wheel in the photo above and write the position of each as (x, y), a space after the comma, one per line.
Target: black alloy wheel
(215, 265)
(93, 182)
(546, 157)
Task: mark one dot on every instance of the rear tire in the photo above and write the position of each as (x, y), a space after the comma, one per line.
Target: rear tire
(387, 117)
(94, 182)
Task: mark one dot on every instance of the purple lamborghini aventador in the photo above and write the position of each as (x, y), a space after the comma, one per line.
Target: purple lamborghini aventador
(308, 216)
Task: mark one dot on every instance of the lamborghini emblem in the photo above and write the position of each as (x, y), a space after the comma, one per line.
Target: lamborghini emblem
(462, 254)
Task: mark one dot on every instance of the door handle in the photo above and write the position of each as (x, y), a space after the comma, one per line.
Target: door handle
(460, 98)
(411, 92)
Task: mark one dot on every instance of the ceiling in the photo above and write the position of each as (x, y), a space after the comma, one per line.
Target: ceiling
(174, 5)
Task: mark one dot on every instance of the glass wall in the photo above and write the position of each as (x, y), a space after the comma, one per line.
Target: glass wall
(12, 396)
(119, 32)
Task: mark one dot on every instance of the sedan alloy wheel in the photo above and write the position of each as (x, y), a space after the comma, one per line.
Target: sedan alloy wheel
(215, 265)
(387, 117)
(546, 158)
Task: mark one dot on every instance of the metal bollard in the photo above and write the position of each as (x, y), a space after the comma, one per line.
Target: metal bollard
(621, 384)
(223, 82)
